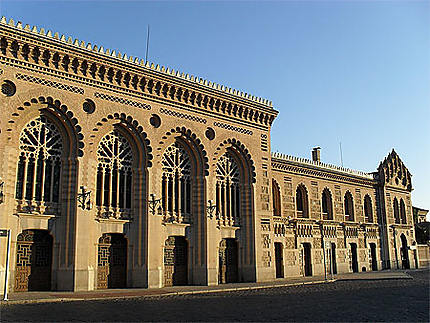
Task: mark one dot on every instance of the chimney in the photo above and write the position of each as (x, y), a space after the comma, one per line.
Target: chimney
(316, 154)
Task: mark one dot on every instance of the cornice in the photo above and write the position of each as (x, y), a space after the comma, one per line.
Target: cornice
(92, 65)
(292, 167)
(118, 91)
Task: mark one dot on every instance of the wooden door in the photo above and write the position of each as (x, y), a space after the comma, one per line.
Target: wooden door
(279, 259)
(354, 258)
(373, 256)
(112, 261)
(175, 261)
(33, 261)
(333, 258)
(228, 261)
(308, 259)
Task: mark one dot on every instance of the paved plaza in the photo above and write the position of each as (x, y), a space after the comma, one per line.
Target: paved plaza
(353, 299)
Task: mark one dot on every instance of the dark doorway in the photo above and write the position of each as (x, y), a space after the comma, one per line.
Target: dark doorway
(307, 259)
(279, 260)
(354, 258)
(228, 261)
(175, 261)
(404, 252)
(333, 258)
(373, 258)
(33, 261)
(112, 261)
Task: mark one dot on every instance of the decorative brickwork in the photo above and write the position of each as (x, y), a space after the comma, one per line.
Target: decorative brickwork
(233, 128)
(183, 115)
(122, 101)
(60, 86)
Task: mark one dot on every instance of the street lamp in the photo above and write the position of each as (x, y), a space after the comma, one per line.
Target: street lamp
(84, 199)
(153, 203)
(1, 192)
(210, 210)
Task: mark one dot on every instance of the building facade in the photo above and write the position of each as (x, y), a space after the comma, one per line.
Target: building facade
(119, 173)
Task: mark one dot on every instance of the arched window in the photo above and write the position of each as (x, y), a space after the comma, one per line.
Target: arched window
(114, 175)
(302, 202)
(368, 212)
(402, 211)
(39, 165)
(396, 211)
(276, 195)
(228, 190)
(176, 184)
(349, 207)
(327, 205)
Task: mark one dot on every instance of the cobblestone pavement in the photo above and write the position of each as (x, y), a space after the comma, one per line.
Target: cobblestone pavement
(365, 300)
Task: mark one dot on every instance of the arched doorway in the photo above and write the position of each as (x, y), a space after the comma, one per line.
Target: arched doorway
(373, 256)
(228, 261)
(279, 260)
(112, 261)
(175, 261)
(307, 258)
(234, 192)
(33, 261)
(404, 252)
(354, 258)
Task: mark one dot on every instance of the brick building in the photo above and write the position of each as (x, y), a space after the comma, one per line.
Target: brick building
(119, 173)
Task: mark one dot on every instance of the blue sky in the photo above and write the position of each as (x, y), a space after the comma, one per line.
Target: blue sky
(351, 71)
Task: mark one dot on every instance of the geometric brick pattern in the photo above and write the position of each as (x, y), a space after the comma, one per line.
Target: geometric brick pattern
(56, 85)
(183, 115)
(233, 128)
(122, 100)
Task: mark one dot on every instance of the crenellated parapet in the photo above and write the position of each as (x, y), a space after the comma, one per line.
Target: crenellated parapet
(299, 165)
(57, 55)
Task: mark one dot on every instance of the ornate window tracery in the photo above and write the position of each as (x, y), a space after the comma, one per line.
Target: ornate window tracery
(228, 190)
(176, 184)
(114, 176)
(39, 165)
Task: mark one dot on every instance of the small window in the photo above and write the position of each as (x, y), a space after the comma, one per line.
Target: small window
(302, 202)
(349, 207)
(326, 202)
(396, 211)
(368, 212)
(402, 211)
(276, 195)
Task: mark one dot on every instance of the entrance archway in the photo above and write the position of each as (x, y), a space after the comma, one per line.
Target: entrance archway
(279, 260)
(404, 252)
(175, 261)
(354, 257)
(228, 261)
(33, 261)
(112, 261)
(307, 258)
(373, 256)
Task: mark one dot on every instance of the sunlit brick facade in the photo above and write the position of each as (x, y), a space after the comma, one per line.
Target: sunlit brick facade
(118, 173)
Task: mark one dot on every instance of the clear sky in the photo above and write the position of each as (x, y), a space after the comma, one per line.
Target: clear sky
(356, 72)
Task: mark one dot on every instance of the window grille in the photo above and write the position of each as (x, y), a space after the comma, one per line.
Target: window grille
(176, 184)
(39, 164)
(228, 190)
(114, 176)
